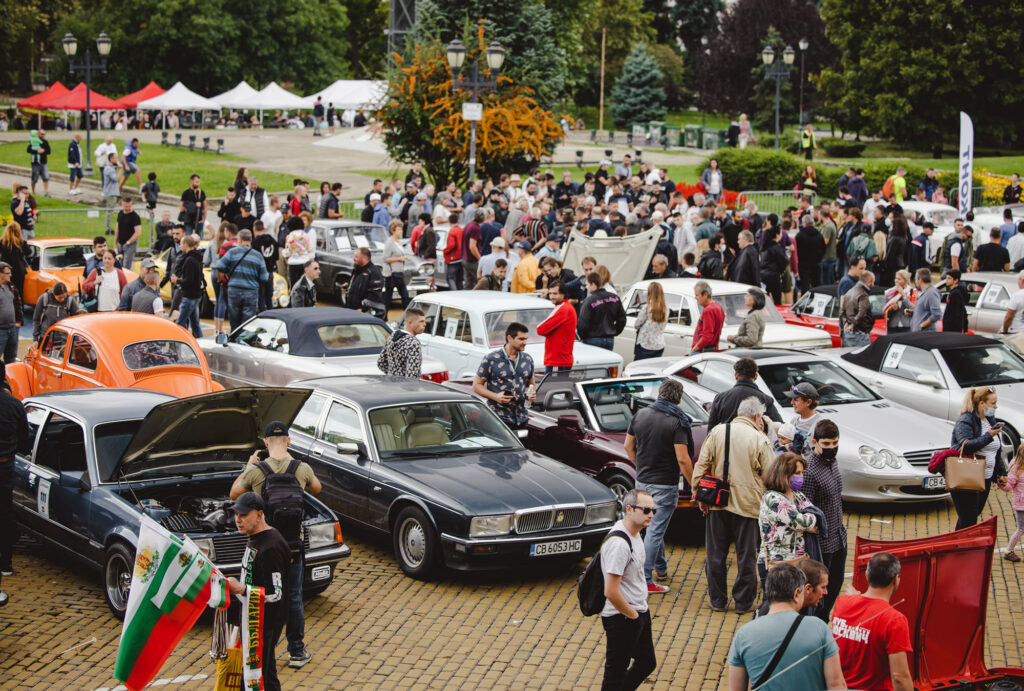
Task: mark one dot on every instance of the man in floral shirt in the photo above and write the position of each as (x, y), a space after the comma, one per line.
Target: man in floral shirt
(823, 486)
(505, 378)
(401, 355)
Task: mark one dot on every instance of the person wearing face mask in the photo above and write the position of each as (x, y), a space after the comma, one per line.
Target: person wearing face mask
(977, 431)
(785, 514)
(823, 487)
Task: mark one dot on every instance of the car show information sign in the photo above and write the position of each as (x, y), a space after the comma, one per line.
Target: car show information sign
(965, 164)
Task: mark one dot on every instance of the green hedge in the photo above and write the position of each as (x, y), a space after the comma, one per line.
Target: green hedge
(842, 148)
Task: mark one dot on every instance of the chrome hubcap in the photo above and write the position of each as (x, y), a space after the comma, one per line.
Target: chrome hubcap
(413, 541)
(119, 581)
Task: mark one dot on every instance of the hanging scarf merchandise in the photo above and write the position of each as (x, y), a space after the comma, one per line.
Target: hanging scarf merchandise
(253, 602)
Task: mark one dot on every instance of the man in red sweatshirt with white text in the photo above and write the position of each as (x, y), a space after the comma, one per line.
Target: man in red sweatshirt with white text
(559, 331)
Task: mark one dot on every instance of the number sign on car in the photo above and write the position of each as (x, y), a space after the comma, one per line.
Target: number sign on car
(543, 549)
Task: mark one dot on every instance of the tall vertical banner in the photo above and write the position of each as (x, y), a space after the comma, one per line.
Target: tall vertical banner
(966, 161)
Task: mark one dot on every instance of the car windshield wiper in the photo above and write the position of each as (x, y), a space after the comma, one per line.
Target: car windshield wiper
(412, 454)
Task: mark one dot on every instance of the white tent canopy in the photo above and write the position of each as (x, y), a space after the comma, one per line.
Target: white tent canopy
(273, 96)
(349, 94)
(179, 97)
(231, 97)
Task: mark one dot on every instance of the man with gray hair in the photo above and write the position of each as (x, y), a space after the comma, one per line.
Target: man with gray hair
(659, 442)
(738, 453)
(710, 323)
(928, 308)
(746, 267)
(245, 271)
(11, 314)
(858, 319)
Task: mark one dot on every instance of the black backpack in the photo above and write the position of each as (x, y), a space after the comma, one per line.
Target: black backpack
(282, 495)
(590, 586)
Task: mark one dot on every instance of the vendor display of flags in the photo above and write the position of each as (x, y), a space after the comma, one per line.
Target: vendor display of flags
(172, 583)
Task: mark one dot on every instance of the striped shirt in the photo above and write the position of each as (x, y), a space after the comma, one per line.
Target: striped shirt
(246, 265)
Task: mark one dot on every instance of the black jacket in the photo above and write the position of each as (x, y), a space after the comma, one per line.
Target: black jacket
(365, 290)
(14, 423)
(810, 246)
(916, 255)
(601, 315)
(746, 267)
(773, 260)
(725, 405)
(954, 318)
(710, 264)
(303, 294)
(190, 279)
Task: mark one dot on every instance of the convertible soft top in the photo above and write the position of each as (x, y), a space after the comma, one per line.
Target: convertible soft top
(871, 357)
(303, 322)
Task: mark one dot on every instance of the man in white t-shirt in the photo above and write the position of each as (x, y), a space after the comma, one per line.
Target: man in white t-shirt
(104, 150)
(1013, 322)
(1015, 246)
(626, 620)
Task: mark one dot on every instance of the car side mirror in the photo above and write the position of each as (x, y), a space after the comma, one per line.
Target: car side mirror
(222, 339)
(522, 433)
(75, 479)
(570, 422)
(351, 448)
(929, 380)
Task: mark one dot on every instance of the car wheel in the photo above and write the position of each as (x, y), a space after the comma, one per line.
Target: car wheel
(415, 541)
(619, 483)
(1009, 438)
(205, 306)
(117, 577)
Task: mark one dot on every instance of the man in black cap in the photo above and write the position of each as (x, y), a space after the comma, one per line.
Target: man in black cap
(265, 564)
(277, 460)
(13, 436)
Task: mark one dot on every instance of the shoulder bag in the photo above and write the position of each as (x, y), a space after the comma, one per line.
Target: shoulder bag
(712, 490)
(770, 669)
(965, 473)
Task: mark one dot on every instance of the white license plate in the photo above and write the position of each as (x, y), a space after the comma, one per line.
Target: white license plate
(543, 549)
(935, 482)
(320, 573)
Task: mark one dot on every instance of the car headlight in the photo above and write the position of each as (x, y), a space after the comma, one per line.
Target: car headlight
(891, 459)
(283, 300)
(878, 459)
(601, 513)
(322, 534)
(482, 526)
(426, 269)
(205, 544)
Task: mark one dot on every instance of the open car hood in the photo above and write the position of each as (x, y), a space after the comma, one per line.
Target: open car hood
(943, 592)
(188, 434)
(626, 258)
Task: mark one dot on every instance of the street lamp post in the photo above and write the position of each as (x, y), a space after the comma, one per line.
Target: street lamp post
(778, 73)
(86, 66)
(456, 54)
(804, 45)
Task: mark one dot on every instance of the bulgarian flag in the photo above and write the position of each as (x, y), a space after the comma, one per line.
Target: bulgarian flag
(173, 582)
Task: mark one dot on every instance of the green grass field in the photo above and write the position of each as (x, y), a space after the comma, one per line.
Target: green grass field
(173, 166)
(58, 218)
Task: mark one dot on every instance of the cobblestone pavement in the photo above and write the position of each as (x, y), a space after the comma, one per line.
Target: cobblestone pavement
(374, 628)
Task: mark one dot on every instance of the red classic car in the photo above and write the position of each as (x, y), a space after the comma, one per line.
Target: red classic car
(819, 308)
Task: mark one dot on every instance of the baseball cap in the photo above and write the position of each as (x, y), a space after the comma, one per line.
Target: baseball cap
(525, 245)
(928, 224)
(276, 429)
(374, 197)
(605, 162)
(498, 242)
(250, 501)
(148, 263)
(515, 178)
(803, 390)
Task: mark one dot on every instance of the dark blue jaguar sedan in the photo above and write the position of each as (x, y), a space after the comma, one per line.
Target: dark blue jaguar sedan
(100, 458)
(440, 473)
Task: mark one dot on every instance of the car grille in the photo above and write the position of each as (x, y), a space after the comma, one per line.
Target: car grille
(229, 549)
(920, 458)
(547, 519)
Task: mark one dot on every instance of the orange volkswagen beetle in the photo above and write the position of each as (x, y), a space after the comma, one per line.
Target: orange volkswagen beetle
(114, 349)
(58, 259)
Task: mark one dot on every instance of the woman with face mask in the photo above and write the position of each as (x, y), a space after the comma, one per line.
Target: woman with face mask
(784, 516)
(977, 431)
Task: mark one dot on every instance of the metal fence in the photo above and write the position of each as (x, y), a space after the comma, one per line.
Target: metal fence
(87, 223)
(980, 196)
(773, 201)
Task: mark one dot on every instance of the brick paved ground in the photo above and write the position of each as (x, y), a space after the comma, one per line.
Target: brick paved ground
(376, 629)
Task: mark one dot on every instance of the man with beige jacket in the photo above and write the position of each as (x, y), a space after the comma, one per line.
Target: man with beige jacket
(749, 456)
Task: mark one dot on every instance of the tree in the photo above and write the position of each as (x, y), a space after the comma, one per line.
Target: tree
(762, 107)
(368, 20)
(25, 29)
(421, 118)
(626, 24)
(907, 68)
(638, 96)
(684, 22)
(675, 77)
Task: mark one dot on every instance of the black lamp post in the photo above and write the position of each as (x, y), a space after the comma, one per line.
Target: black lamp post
(456, 54)
(804, 45)
(86, 66)
(778, 73)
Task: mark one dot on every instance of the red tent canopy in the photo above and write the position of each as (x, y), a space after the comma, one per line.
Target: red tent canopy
(56, 90)
(75, 100)
(151, 90)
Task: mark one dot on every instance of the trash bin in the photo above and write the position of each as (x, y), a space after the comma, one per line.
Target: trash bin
(692, 136)
(673, 132)
(655, 129)
(712, 138)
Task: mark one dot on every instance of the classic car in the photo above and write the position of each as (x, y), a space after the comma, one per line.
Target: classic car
(683, 313)
(57, 259)
(336, 241)
(277, 347)
(280, 296)
(437, 471)
(113, 349)
(942, 215)
(440, 275)
(464, 325)
(931, 372)
(98, 460)
(819, 309)
(884, 446)
(988, 294)
(988, 217)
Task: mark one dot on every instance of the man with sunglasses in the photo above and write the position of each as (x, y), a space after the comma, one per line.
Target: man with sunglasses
(625, 617)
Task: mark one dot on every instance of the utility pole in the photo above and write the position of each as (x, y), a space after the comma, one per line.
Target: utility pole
(600, 108)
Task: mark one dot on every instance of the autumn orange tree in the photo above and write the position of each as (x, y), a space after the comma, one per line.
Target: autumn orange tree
(421, 118)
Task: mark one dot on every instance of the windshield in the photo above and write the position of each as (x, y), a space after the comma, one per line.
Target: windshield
(736, 309)
(833, 384)
(438, 429)
(65, 256)
(615, 403)
(497, 322)
(111, 439)
(984, 365)
(161, 353)
(943, 217)
(351, 336)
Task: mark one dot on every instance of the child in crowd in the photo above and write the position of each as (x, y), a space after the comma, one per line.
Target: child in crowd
(784, 438)
(1015, 485)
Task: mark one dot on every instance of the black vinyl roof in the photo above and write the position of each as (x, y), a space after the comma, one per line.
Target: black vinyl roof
(303, 322)
(871, 357)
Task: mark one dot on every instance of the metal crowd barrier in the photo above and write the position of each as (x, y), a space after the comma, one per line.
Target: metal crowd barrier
(86, 223)
(774, 201)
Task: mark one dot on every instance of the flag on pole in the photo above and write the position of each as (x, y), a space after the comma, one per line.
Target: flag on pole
(966, 165)
(172, 583)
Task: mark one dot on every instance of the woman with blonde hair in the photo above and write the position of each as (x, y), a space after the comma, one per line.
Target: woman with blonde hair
(13, 250)
(899, 303)
(746, 133)
(977, 433)
(650, 325)
(606, 277)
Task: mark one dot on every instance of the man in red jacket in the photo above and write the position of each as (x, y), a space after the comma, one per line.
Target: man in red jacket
(559, 331)
(712, 319)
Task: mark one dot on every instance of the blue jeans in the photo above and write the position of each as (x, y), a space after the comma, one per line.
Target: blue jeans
(665, 499)
(828, 271)
(220, 305)
(855, 339)
(188, 316)
(9, 343)
(296, 629)
(601, 342)
(641, 353)
(266, 294)
(243, 303)
(454, 274)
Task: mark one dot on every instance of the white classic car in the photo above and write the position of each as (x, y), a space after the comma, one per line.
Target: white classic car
(464, 325)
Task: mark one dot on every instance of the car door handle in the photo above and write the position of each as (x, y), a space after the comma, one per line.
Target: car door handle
(318, 452)
(463, 352)
(58, 375)
(879, 383)
(377, 489)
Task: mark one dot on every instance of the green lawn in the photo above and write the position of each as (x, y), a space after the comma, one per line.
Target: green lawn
(58, 218)
(173, 165)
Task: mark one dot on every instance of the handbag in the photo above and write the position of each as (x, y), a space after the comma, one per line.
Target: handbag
(965, 473)
(712, 490)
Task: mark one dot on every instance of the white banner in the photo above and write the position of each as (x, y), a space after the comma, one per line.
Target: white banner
(966, 164)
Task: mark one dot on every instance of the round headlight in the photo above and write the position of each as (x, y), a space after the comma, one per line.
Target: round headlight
(283, 300)
(870, 457)
(426, 269)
